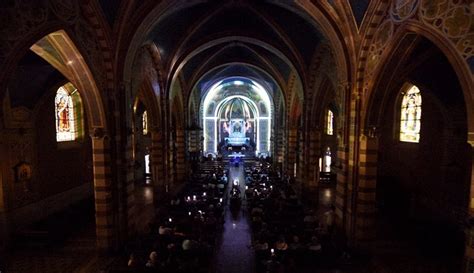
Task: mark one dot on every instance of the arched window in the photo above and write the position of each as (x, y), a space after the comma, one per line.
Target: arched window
(410, 115)
(327, 160)
(145, 123)
(330, 123)
(68, 109)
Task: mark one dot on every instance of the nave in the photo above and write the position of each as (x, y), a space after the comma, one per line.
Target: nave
(262, 226)
(256, 234)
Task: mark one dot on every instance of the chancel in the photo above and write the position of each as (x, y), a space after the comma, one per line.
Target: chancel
(237, 136)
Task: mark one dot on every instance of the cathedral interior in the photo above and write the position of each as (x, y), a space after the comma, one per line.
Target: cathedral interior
(237, 136)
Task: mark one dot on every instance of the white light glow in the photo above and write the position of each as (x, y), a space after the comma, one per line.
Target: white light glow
(213, 104)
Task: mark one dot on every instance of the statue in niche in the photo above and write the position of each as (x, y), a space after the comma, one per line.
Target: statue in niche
(237, 127)
(23, 174)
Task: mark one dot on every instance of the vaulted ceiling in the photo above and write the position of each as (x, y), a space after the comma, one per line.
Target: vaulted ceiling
(270, 36)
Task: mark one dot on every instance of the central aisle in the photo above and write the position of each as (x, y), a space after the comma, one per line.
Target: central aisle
(233, 253)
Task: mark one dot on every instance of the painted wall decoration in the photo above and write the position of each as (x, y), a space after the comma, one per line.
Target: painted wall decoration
(455, 19)
(403, 9)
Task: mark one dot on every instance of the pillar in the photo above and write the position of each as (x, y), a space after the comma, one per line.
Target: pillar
(128, 192)
(364, 205)
(341, 186)
(314, 155)
(157, 166)
(301, 170)
(180, 156)
(469, 246)
(104, 209)
(280, 147)
(310, 192)
(291, 153)
(4, 231)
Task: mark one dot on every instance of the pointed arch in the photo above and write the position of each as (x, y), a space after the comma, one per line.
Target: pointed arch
(59, 50)
(402, 40)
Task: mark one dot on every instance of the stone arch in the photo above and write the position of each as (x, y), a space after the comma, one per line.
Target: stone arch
(59, 49)
(72, 65)
(341, 49)
(447, 48)
(379, 94)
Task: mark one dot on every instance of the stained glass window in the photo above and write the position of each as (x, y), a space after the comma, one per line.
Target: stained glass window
(68, 110)
(410, 116)
(330, 123)
(65, 123)
(145, 123)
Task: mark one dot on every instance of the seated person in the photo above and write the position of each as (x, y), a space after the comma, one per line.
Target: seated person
(153, 260)
(260, 245)
(165, 230)
(189, 244)
(281, 244)
(314, 246)
(296, 244)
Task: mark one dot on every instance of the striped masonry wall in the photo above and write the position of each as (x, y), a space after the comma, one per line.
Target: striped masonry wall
(281, 144)
(194, 140)
(171, 168)
(341, 183)
(130, 188)
(469, 248)
(157, 165)
(349, 180)
(301, 172)
(291, 152)
(365, 203)
(104, 213)
(314, 155)
(180, 156)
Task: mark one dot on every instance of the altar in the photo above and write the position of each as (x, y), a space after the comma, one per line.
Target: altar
(237, 130)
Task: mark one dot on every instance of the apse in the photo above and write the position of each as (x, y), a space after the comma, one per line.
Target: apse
(237, 114)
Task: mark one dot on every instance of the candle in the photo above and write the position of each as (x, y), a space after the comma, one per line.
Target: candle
(171, 220)
(194, 197)
(189, 213)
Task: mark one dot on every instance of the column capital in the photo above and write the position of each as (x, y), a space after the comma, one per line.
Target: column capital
(370, 132)
(470, 138)
(344, 85)
(98, 133)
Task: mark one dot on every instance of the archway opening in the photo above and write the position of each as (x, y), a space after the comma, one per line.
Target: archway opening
(423, 157)
(236, 115)
(53, 106)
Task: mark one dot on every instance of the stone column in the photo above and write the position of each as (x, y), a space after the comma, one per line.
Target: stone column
(341, 186)
(314, 155)
(180, 156)
(365, 202)
(104, 209)
(157, 166)
(291, 152)
(128, 192)
(4, 231)
(280, 147)
(469, 247)
(312, 152)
